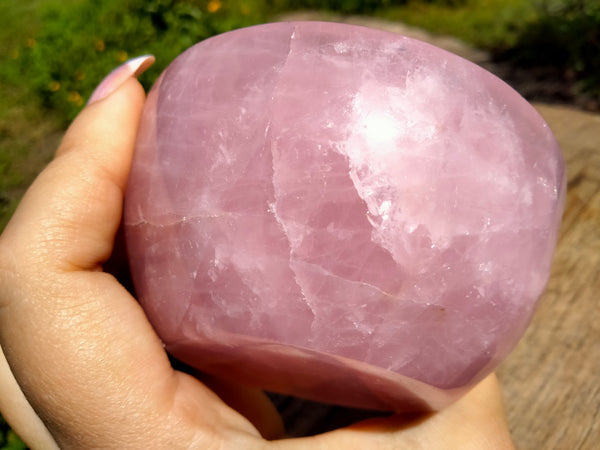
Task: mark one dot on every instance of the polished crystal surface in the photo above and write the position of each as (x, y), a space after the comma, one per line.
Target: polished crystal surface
(340, 213)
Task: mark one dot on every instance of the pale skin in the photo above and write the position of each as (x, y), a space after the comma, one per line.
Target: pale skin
(83, 368)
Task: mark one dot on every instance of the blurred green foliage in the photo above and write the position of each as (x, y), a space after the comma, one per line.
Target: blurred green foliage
(342, 6)
(490, 24)
(350, 6)
(565, 34)
(8, 439)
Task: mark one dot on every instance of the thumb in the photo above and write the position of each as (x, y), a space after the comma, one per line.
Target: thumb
(73, 209)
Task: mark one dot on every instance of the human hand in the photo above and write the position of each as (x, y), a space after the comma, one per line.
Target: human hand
(85, 368)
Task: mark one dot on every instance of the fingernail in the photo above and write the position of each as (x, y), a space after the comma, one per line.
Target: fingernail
(132, 68)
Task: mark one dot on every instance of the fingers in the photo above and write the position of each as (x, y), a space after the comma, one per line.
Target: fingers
(252, 403)
(79, 345)
(68, 218)
(476, 421)
(17, 410)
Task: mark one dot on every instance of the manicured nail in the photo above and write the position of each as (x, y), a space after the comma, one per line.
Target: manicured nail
(132, 68)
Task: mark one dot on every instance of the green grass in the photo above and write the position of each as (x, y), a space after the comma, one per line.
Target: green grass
(9, 439)
(28, 135)
(490, 24)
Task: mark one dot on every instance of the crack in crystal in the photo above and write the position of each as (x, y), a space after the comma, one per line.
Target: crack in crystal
(292, 36)
(187, 315)
(273, 207)
(198, 218)
(324, 271)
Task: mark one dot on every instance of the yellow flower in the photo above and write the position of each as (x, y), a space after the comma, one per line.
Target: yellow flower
(54, 86)
(14, 54)
(213, 6)
(122, 56)
(245, 9)
(79, 75)
(30, 42)
(99, 44)
(75, 98)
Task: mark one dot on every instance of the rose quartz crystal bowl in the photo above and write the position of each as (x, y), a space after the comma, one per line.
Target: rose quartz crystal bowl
(340, 213)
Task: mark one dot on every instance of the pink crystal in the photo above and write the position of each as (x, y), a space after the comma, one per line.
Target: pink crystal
(340, 213)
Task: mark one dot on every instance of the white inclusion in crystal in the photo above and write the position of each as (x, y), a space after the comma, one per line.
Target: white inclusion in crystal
(340, 233)
(212, 274)
(384, 209)
(485, 267)
(526, 197)
(340, 47)
(547, 186)
(218, 261)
